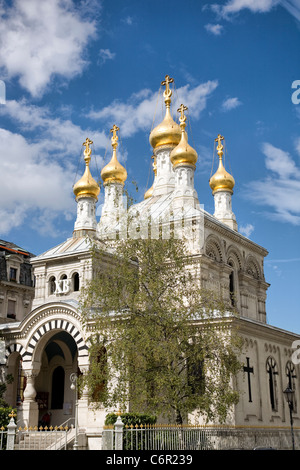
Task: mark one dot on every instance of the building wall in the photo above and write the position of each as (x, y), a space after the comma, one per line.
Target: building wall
(16, 284)
(266, 348)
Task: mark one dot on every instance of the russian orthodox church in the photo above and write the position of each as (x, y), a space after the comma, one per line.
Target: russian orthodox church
(49, 342)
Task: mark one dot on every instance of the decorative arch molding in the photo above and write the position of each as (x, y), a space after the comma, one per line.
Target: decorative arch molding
(42, 321)
(233, 255)
(12, 348)
(252, 267)
(213, 248)
(56, 324)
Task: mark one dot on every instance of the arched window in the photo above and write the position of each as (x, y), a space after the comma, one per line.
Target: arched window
(291, 380)
(75, 279)
(58, 388)
(272, 372)
(52, 285)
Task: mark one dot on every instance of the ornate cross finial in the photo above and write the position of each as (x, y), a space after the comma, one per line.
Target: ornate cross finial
(87, 144)
(168, 91)
(115, 138)
(12, 414)
(181, 110)
(220, 146)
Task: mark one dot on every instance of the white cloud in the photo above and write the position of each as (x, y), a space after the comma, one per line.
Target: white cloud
(215, 29)
(29, 181)
(230, 103)
(106, 54)
(235, 6)
(246, 229)
(139, 112)
(280, 190)
(297, 145)
(54, 133)
(280, 162)
(37, 174)
(41, 40)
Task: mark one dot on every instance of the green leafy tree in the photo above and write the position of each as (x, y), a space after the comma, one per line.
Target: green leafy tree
(161, 343)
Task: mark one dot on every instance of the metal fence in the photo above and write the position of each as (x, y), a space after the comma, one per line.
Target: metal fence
(34, 438)
(187, 437)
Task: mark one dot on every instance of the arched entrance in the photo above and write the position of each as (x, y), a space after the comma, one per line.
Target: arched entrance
(51, 348)
(58, 360)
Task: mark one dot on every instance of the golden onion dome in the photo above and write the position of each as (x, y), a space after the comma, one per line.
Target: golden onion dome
(221, 180)
(114, 172)
(149, 192)
(183, 153)
(87, 186)
(168, 131)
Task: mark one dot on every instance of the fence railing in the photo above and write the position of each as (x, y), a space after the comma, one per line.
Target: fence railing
(187, 437)
(34, 438)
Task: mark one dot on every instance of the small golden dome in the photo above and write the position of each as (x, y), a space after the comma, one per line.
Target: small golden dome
(149, 192)
(221, 180)
(183, 153)
(168, 131)
(114, 172)
(87, 186)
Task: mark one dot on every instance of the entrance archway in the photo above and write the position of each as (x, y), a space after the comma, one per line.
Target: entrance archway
(59, 359)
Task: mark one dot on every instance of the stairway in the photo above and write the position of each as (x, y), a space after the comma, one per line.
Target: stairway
(45, 440)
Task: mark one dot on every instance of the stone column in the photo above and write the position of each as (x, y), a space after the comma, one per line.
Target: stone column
(29, 412)
(83, 402)
(119, 434)
(11, 432)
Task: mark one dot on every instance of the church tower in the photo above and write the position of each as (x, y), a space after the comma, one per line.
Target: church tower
(163, 139)
(184, 158)
(114, 176)
(86, 191)
(222, 184)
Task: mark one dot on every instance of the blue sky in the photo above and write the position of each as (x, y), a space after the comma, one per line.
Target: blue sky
(72, 69)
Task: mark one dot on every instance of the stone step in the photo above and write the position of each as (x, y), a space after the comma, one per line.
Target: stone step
(41, 440)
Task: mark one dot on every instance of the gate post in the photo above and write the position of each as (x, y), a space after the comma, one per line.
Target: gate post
(119, 434)
(11, 432)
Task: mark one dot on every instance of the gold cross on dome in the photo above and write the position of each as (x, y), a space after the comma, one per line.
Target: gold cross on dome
(87, 144)
(114, 130)
(167, 81)
(220, 146)
(181, 110)
(219, 139)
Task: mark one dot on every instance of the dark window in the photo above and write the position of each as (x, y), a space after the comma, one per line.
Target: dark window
(58, 388)
(11, 309)
(231, 288)
(292, 376)
(272, 373)
(52, 285)
(75, 281)
(13, 274)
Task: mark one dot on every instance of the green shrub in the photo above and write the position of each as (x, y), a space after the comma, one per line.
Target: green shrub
(4, 416)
